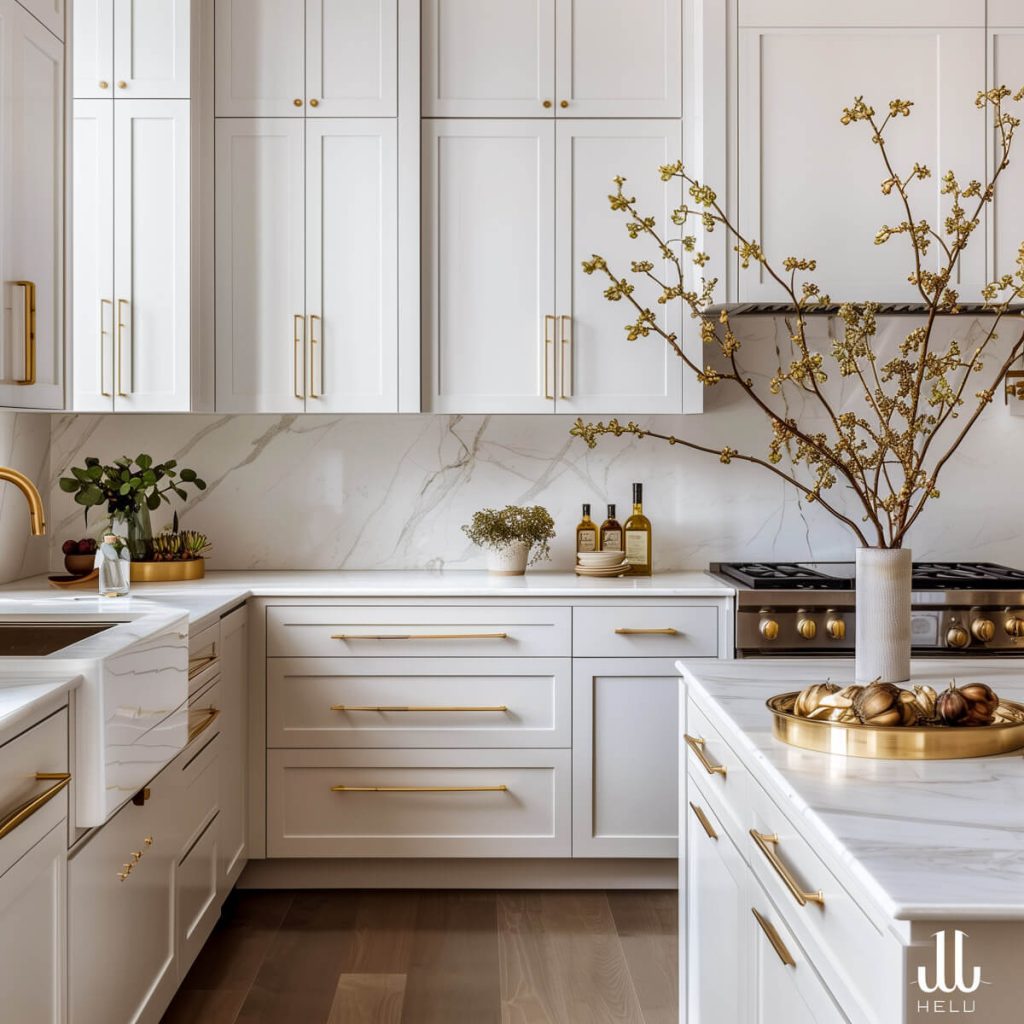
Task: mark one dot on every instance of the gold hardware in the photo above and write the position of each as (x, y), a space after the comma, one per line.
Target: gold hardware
(297, 102)
(141, 797)
(957, 636)
(103, 349)
(983, 630)
(10, 821)
(419, 636)
(298, 345)
(563, 104)
(775, 939)
(419, 789)
(412, 707)
(666, 631)
(807, 628)
(1013, 386)
(835, 626)
(137, 855)
(104, 85)
(703, 819)
(209, 717)
(312, 361)
(548, 342)
(314, 103)
(30, 332)
(769, 629)
(121, 393)
(696, 744)
(36, 513)
(148, 840)
(766, 844)
(125, 871)
(1014, 626)
(565, 334)
(547, 104)
(196, 666)
(122, 85)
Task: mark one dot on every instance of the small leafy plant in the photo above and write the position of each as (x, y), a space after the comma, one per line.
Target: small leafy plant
(533, 526)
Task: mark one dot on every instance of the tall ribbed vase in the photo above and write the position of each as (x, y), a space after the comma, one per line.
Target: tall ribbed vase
(883, 614)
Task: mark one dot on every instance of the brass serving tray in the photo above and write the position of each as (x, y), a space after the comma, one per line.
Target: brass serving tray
(904, 743)
(168, 572)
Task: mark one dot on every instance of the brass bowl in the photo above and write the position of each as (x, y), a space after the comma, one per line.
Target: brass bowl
(903, 743)
(168, 572)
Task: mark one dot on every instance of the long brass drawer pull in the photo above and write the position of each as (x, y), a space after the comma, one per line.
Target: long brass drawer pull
(412, 707)
(24, 811)
(766, 844)
(666, 631)
(419, 789)
(696, 744)
(774, 938)
(209, 717)
(703, 819)
(419, 636)
(30, 332)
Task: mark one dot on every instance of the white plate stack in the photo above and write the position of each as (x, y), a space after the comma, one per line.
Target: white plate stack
(601, 563)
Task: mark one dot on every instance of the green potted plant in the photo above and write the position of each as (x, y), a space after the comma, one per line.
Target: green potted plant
(513, 536)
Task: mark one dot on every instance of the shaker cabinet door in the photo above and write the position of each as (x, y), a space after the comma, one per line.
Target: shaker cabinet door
(151, 49)
(488, 258)
(93, 49)
(352, 265)
(1006, 216)
(260, 304)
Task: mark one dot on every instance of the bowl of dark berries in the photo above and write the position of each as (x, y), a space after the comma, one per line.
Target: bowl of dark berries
(79, 556)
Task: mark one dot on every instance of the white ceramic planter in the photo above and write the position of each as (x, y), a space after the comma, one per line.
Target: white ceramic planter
(883, 614)
(509, 560)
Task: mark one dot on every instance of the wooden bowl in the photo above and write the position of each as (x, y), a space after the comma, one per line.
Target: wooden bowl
(79, 565)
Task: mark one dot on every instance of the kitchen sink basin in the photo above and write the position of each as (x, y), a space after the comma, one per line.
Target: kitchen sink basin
(37, 639)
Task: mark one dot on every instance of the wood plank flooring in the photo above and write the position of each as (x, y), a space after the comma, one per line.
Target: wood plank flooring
(515, 957)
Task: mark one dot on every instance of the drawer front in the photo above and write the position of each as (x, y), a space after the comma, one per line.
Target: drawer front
(197, 904)
(434, 702)
(419, 803)
(404, 631)
(655, 631)
(722, 775)
(203, 657)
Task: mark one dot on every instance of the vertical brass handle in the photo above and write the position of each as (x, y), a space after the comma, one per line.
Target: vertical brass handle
(298, 345)
(565, 379)
(549, 320)
(704, 822)
(30, 332)
(314, 319)
(696, 744)
(775, 939)
(766, 844)
(121, 393)
(104, 334)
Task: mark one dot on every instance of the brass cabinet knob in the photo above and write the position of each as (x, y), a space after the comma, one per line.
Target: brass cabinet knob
(836, 628)
(1015, 625)
(957, 636)
(122, 85)
(807, 628)
(547, 104)
(314, 103)
(769, 629)
(983, 630)
(104, 85)
(148, 840)
(297, 102)
(564, 104)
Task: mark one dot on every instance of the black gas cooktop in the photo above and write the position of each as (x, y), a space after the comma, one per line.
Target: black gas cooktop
(840, 575)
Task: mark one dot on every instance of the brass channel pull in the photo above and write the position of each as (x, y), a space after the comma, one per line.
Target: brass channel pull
(767, 844)
(196, 666)
(10, 821)
(313, 318)
(411, 707)
(419, 789)
(549, 321)
(121, 393)
(419, 636)
(703, 819)
(298, 347)
(103, 349)
(30, 332)
(696, 744)
(565, 334)
(667, 631)
(774, 938)
(204, 723)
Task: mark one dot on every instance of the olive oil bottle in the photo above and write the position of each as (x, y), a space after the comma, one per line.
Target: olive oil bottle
(638, 536)
(611, 532)
(586, 532)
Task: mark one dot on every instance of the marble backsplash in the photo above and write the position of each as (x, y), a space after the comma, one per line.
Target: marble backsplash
(24, 445)
(390, 492)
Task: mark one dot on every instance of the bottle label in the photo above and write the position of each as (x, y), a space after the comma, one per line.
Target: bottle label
(611, 541)
(586, 540)
(636, 547)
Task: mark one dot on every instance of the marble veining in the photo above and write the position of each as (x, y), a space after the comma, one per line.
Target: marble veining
(924, 839)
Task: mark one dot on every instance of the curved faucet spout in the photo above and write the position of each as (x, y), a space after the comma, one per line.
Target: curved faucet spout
(37, 515)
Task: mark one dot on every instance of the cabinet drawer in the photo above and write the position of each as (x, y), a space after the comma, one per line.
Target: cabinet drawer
(203, 657)
(722, 775)
(655, 631)
(418, 803)
(432, 702)
(405, 631)
(196, 902)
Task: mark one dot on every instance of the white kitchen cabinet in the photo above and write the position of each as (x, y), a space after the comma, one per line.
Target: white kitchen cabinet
(625, 750)
(232, 820)
(32, 134)
(352, 265)
(278, 58)
(1006, 216)
(138, 49)
(547, 58)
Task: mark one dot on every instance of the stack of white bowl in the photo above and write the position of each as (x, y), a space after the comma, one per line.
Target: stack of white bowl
(601, 563)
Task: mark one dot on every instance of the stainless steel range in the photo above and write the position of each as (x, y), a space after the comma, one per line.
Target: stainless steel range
(808, 608)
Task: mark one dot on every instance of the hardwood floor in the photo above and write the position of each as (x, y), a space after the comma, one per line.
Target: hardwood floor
(343, 957)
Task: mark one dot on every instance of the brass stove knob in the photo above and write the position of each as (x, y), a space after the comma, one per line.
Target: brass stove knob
(957, 636)
(1015, 626)
(807, 628)
(984, 630)
(769, 629)
(835, 627)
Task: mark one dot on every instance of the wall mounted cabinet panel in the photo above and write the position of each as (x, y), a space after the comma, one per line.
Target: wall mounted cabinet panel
(1006, 216)
(93, 44)
(152, 48)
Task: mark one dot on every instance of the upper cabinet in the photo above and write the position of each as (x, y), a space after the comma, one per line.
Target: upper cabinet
(32, 144)
(547, 58)
(279, 58)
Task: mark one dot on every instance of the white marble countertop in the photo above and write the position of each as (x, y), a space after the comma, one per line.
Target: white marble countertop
(24, 704)
(924, 839)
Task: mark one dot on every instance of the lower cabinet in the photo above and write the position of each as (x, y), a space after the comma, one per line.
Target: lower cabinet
(233, 824)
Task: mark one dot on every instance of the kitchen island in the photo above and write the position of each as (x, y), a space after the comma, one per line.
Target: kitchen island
(851, 889)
